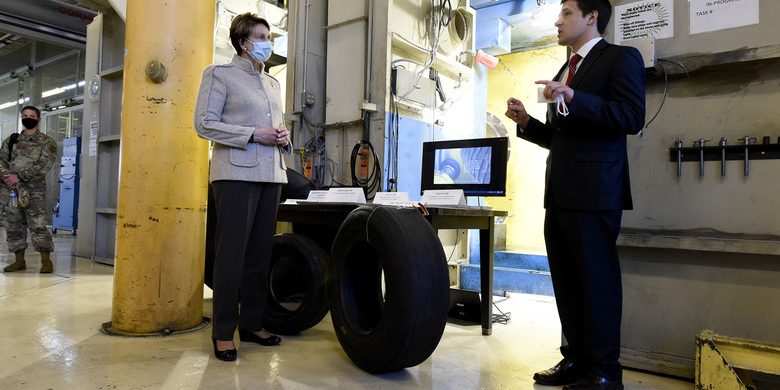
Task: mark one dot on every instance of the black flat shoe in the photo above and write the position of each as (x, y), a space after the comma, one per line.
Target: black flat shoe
(245, 335)
(227, 355)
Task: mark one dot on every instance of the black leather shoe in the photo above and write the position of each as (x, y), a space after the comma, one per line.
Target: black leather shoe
(595, 382)
(227, 355)
(563, 373)
(245, 335)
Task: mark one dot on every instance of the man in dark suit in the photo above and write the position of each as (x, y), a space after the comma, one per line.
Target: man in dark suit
(587, 189)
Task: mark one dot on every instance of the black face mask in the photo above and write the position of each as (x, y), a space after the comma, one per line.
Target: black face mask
(29, 123)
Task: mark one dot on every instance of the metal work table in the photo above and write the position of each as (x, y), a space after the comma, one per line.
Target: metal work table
(333, 214)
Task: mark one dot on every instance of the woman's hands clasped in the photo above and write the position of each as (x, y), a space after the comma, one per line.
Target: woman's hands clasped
(272, 136)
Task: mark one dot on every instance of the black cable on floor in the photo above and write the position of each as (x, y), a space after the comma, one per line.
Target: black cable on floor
(502, 318)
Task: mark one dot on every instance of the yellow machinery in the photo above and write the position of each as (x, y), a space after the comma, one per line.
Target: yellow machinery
(724, 363)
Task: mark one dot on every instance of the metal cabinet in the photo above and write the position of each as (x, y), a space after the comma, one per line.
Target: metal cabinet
(100, 142)
(65, 212)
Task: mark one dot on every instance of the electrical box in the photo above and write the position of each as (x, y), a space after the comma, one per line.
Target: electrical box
(424, 92)
(646, 47)
(453, 268)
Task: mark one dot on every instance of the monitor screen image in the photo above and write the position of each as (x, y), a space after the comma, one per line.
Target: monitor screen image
(462, 165)
(477, 166)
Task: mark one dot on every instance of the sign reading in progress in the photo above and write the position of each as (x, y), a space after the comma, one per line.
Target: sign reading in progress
(712, 15)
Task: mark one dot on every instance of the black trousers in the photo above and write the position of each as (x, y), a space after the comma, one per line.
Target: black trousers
(582, 251)
(246, 222)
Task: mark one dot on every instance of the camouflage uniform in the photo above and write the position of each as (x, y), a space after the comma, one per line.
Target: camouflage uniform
(31, 159)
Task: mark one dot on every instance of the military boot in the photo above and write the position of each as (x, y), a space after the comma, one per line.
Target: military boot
(46, 266)
(18, 265)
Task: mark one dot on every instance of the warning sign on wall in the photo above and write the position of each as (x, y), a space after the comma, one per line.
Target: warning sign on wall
(712, 15)
(644, 18)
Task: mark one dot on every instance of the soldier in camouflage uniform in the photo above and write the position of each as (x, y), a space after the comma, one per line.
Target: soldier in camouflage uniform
(23, 166)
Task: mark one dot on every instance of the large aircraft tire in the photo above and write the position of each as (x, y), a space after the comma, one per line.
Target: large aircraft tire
(296, 292)
(388, 288)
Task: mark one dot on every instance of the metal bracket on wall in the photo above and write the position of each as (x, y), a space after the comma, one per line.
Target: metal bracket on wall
(752, 151)
(731, 363)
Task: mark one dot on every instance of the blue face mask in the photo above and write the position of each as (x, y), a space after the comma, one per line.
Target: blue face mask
(261, 51)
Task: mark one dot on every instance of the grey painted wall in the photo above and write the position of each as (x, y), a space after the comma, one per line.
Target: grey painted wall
(683, 44)
(731, 101)
(733, 98)
(670, 295)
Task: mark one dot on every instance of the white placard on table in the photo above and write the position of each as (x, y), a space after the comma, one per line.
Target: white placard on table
(317, 196)
(644, 18)
(392, 198)
(713, 15)
(346, 195)
(443, 198)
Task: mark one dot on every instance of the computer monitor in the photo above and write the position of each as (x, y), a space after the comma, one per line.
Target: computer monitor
(477, 166)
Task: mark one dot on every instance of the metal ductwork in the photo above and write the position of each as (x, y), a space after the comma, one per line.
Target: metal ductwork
(52, 21)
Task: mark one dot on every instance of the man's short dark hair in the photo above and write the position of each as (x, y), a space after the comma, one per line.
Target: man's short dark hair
(37, 111)
(603, 7)
(243, 25)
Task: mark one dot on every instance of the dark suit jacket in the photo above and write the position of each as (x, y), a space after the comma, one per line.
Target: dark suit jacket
(588, 165)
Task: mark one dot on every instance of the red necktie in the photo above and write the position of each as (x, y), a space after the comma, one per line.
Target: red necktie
(575, 59)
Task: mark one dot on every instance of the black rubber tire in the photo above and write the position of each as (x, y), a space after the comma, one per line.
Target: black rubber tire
(384, 332)
(296, 296)
(321, 234)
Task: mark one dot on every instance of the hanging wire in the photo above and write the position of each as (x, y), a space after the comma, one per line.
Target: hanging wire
(372, 184)
(666, 88)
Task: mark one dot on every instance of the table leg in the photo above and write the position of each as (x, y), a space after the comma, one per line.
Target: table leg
(486, 276)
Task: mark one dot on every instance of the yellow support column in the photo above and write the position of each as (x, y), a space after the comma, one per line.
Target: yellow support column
(163, 172)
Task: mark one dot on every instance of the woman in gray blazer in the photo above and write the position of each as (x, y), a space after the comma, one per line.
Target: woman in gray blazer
(239, 109)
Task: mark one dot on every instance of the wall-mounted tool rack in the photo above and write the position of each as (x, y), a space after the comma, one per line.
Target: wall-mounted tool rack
(733, 152)
(722, 152)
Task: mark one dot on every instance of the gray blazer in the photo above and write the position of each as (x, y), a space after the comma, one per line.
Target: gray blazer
(233, 100)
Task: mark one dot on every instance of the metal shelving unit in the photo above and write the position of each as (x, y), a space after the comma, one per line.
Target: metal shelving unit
(100, 144)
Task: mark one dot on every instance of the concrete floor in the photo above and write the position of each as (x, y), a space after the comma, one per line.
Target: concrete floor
(51, 339)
